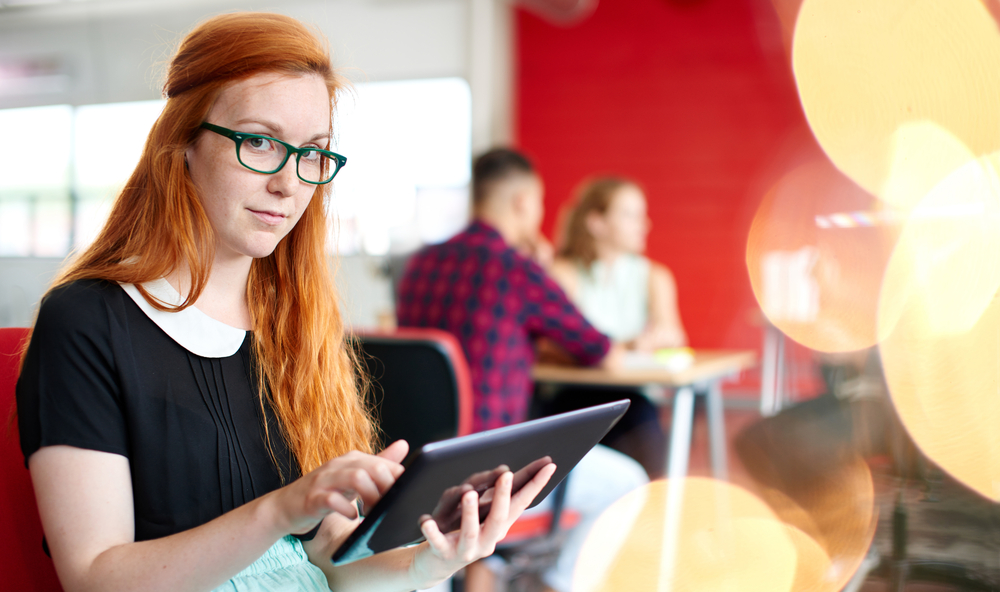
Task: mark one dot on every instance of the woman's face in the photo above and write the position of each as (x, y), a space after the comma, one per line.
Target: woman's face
(251, 212)
(624, 226)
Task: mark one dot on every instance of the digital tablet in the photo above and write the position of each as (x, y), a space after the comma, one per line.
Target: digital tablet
(434, 476)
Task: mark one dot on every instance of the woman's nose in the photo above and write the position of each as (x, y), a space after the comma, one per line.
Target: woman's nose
(286, 180)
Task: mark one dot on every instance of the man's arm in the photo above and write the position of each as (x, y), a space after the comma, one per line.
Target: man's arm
(550, 314)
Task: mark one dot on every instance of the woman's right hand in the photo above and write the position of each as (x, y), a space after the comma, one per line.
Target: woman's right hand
(334, 487)
(445, 553)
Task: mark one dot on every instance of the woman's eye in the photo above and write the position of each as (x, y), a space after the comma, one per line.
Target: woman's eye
(310, 155)
(261, 144)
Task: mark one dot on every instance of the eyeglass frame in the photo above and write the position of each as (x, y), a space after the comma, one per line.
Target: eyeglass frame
(239, 137)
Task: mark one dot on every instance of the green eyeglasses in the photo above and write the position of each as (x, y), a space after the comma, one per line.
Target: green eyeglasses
(267, 155)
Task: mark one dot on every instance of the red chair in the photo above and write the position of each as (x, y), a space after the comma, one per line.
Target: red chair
(23, 564)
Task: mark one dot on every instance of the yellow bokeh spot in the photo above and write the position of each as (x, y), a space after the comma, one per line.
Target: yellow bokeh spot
(921, 155)
(727, 540)
(945, 268)
(865, 69)
(946, 390)
(902, 97)
(940, 319)
(827, 500)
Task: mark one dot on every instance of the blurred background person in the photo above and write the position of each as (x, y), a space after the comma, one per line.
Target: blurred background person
(601, 266)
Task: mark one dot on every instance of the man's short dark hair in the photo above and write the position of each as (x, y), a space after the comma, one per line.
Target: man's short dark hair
(499, 164)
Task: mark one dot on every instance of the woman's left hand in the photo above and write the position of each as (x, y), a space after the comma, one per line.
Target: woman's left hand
(444, 554)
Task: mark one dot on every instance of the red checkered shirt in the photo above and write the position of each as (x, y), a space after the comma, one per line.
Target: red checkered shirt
(495, 301)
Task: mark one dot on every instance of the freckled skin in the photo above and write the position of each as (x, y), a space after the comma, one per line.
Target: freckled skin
(251, 212)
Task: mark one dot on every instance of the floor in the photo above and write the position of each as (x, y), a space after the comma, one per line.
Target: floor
(945, 521)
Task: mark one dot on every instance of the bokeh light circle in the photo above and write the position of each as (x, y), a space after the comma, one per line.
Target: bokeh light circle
(946, 262)
(864, 69)
(940, 318)
(818, 285)
(728, 539)
(901, 96)
(807, 466)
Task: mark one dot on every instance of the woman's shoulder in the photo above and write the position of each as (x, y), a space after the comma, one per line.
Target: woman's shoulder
(82, 289)
(80, 293)
(661, 276)
(76, 304)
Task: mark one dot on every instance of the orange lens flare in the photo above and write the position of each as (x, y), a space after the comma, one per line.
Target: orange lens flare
(901, 96)
(726, 539)
(946, 264)
(807, 471)
(945, 390)
(820, 286)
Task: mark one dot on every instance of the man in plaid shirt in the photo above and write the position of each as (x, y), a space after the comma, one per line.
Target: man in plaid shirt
(479, 287)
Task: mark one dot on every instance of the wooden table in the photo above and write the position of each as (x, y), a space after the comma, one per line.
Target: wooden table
(703, 376)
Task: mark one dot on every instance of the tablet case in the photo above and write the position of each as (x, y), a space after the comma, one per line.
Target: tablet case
(394, 521)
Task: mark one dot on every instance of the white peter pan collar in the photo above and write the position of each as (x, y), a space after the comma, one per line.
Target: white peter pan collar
(194, 330)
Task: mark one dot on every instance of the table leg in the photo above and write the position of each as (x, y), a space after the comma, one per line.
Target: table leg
(769, 373)
(680, 433)
(717, 431)
(781, 385)
(680, 451)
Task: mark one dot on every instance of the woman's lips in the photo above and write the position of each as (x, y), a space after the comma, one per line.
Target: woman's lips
(269, 218)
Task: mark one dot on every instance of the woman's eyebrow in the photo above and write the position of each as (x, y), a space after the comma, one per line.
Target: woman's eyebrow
(276, 129)
(321, 136)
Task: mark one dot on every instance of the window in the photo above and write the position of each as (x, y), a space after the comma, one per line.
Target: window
(408, 149)
(405, 184)
(59, 175)
(34, 180)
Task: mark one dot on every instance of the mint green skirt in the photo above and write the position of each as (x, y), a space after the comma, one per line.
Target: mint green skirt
(282, 568)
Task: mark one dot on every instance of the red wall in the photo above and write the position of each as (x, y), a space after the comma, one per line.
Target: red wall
(695, 99)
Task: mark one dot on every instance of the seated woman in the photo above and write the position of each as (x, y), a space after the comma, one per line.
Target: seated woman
(633, 300)
(600, 265)
(187, 407)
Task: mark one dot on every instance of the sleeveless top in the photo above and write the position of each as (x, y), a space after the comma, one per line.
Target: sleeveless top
(615, 298)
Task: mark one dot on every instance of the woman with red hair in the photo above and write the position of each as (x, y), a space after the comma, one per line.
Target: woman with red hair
(187, 407)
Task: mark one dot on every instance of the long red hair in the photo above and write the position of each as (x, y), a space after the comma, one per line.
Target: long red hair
(307, 373)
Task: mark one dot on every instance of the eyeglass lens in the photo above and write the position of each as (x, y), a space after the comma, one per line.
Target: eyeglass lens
(266, 156)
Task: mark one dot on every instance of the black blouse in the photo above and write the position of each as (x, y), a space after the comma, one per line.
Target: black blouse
(100, 374)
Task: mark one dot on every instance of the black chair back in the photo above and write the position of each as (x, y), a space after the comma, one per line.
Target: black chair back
(415, 385)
